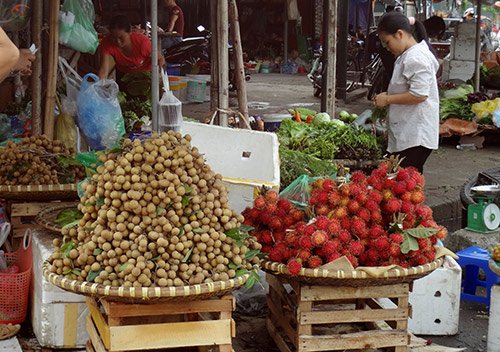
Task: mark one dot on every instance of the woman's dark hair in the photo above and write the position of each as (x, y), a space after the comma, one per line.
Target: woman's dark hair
(393, 21)
(120, 22)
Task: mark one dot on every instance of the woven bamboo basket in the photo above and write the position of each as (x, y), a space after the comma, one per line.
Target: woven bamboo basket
(8, 330)
(494, 266)
(355, 278)
(145, 295)
(47, 216)
(28, 193)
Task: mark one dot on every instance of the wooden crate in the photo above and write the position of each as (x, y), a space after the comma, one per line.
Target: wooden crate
(114, 326)
(306, 318)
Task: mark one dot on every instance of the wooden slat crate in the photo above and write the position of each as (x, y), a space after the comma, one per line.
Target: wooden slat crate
(306, 318)
(114, 326)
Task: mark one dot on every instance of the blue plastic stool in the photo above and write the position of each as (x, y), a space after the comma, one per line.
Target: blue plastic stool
(471, 260)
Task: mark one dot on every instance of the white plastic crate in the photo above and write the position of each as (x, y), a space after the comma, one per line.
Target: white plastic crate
(494, 321)
(246, 159)
(57, 316)
(436, 301)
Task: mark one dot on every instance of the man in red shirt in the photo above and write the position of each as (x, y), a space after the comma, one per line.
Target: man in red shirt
(128, 51)
(174, 29)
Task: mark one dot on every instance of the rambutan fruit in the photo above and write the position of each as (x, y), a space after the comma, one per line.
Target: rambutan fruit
(270, 208)
(430, 255)
(291, 238)
(344, 236)
(322, 197)
(314, 261)
(363, 233)
(275, 255)
(334, 198)
(266, 249)
(357, 225)
(372, 255)
(428, 223)
(279, 236)
(362, 197)
(276, 223)
(328, 184)
(406, 197)
(382, 244)
(304, 254)
(407, 207)
(395, 250)
(294, 266)
(331, 246)
(353, 206)
(271, 197)
(424, 243)
(417, 197)
(411, 184)
(284, 204)
(340, 212)
(288, 221)
(344, 190)
(322, 223)
(376, 216)
(358, 177)
(389, 183)
(305, 242)
(376, 196)
(333, 257)
(319, 238)
(259, 202)
(344, 201)
(392, 206)
(299, 227)
(355, 248)
(372, 205)
(265, 218)
(313, 199)
(442, 233)
(376, 231)
(309, 229)
(353, 260)
(399, 187)
(298, 215)
(387, 195)
(396, 237)
(267, 237)
(433, 239)
(345, 223)
(334, 227)
(403, 174)
(354, 189)
(423, 211)
(364, 214)
(321, 209)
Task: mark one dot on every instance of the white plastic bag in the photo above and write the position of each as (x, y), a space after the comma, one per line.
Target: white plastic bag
(170, 108)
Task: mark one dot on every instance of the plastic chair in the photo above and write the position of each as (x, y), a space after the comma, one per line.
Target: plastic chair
(471, 260)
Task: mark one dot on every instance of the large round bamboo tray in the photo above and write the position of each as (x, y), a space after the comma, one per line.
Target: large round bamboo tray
(145, 295)
(39, 192)
(47, 217)
(353, 278)
(494, 266)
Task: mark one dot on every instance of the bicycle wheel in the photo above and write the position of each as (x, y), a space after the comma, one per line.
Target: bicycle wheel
(377, 83)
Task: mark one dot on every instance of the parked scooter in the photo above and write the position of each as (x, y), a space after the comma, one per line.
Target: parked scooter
(190, 51)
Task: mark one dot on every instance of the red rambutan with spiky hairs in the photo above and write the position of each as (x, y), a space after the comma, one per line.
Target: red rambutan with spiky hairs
(314, 261)
(392, 206)
(407, 207)
(280, 212)
(358, 177)
(344, 190)
(288, 221)
(300, 226)
(265, 218)
(334, 198)
(332, 257)
(357, 225)
(304, 255)
(403, 174)
(305, 242)
(362, 197)
(364, 214)
(424, 243)
(266, 249)
(376, 216)
(372, 205)
(270, 208)
(389, 183)
(344, 236)
(291, 238)
(334, 227)
(387, 194)
(267, 237)
(363, 233)
(322, 223)
(321, 209)
(376, 231)
(430, 255)
(259, 202)
(309, 229)
(382, 243)
(279, 236)
(281, 246)
(420, 260)
(396, 237)
(271, 197)
(355, 248)
(376, 196)
(328, 184)
(298, 215)
(355, 189)
(423, 211)
(405, 197)
(294, 266)
(353, 206)
(442, 233)
(319, 238)
(417, 197)
(411, 184)
(275, 255)
(395, 250)
(353, 260)
(385, 255)
(284, 204)
(399, 187)
(331, 246)
(340, 212)
(275, 223)
(429, 223)
(372, 255)
(433, 239)
(345, 223)
(322, 197)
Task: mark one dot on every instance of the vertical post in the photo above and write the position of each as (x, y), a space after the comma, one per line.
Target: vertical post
(477, 60)
(285, 35)
(48, 126)
(239, 67)
(214, 58)
(329, 56)
(222, 69)
(155, 95)
(36, 76)
(343, 24)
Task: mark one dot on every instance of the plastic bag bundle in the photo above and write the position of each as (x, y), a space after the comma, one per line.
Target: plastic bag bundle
(170, 108)
(299, 191)
(76, 26)
(14, 14)
(99, 114)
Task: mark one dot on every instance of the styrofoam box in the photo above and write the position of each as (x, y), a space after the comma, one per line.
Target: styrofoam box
(57, 316)
(494, 321)
(246, 159)
(435, 300)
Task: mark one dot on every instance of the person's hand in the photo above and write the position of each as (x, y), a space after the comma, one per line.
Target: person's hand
(381, 100)
(24, 63)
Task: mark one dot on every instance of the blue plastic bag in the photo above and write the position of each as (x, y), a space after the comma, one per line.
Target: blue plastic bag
(99, 114)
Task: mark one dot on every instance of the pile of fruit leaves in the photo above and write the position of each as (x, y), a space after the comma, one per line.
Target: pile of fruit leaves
(311, 148)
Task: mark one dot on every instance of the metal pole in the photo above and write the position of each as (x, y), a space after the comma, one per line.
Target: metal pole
(36, 77)
(477, 61)
(223, 65)
(285, 34)
(155, 95)
(329, 56)
(343, 23)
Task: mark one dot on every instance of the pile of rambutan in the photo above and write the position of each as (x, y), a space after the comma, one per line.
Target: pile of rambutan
(374, 220)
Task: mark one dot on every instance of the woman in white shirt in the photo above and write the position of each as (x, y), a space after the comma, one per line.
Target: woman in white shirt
(412, 96)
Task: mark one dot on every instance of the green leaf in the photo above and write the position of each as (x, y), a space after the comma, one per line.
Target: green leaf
(250, 254)
(155, 259)
(159, 210)
(233, 266)
(246, 228)
(241, 272)
(188, 189)
(233, 233)
(67, 271)
(68, 216)
(92, 275)
(99, 202)
(409, 244)
(421, 232)
(185, 200)
(67, 247)
(261, 255)
(181, 231)
(123, 267)
(71, 224)
(76, 271)
(198, 230)
(187, 256)
(88, 229)
(97, 251)
(250, 282)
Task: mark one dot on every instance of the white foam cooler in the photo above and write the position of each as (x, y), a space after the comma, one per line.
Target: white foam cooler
(57, 316)
(246, 159)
